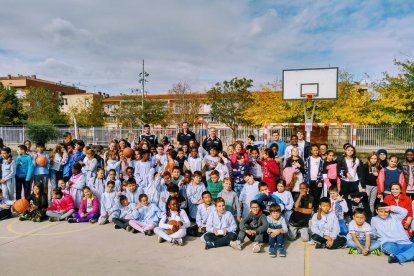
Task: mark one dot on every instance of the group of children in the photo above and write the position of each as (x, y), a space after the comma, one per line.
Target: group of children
(223, 197)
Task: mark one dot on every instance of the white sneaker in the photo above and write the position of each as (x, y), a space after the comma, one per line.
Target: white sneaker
(236, 245)
(311, 242)
(257, 247)
(178, 242)
(160, 240)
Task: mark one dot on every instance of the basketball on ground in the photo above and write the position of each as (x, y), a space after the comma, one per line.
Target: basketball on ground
(21, 205)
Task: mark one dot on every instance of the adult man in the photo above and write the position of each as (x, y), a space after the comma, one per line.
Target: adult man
(185, 135)
(146, 135)
(280, 143)
(407, 167)
(303, 145)
(67, 138)
(211, 140)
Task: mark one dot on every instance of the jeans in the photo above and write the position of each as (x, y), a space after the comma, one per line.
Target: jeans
(85, 219)
(123, 223)
(316, 192)
(347, 188)
(220, 241)
(403, 252)
(5, 213)
(338, 242)
(293, 233)
(372, 192)
(54, 177)
(56, 214)
(373, 246)
(278, 239)
(26, 186)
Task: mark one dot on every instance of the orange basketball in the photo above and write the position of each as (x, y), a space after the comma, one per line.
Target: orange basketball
(127, 152)
(21, 205)
(41, 160)
(172, 222)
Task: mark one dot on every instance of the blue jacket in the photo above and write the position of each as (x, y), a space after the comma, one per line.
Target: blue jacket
(79, 156)
(41, 169)
(67, 168)
(266, 200)
(24, 167)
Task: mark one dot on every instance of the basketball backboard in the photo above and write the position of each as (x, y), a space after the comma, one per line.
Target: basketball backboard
(315, 83)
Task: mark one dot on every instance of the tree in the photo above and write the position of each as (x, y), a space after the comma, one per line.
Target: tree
(41, 133)
(91, 116)
(229, 100)
(43, 105)
(11, 109)
(187, 106)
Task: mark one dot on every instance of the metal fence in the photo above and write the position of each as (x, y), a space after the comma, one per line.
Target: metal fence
(369, 138)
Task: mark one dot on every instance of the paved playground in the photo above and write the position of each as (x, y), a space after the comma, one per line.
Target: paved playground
(89, 249)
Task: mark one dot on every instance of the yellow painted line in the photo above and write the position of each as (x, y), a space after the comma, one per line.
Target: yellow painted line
(65, 232)
(306, 260)
(33, 232)
(11, 230)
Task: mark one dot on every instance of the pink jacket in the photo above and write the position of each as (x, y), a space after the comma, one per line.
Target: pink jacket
(66, 203)
(331, 173)
(233, 159)
(381, 180)
(95, 206)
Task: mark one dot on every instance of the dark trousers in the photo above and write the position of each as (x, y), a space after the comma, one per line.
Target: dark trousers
(123, 223)
(5, 213)
(21, 182)
(347, 188)
(278, 239)
(257, 238)
(316, 192)
(220, 241)
(338, 242)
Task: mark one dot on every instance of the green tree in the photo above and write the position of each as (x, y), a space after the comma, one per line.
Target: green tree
(43, 105)
(229, 100)
(11, 109)
(41, 132)
(91, 116)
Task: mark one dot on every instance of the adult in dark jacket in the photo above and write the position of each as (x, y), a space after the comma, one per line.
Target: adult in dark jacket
(212, 140)
(185, 135)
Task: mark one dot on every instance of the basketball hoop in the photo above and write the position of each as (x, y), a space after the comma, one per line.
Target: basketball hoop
(309, 95)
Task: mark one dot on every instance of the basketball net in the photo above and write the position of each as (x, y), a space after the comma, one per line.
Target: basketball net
(308, 120)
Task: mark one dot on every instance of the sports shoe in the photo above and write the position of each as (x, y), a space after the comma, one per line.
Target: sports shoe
(311, 242)
(52, 219)
(36, 219)
(117, 227)
(272, 252)
(149, 232)
(353, 251)
(375, 252)
(209, 245)
(72, 220)
(179, 242)
(236, 245)
(134, 231)
(320, 245)
(160, 240)
(92, 220)
(257, 247)
(392, 259)
(128, 228)
(22, 218)
(282, 251)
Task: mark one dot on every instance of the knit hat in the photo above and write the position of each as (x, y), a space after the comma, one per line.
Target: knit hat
(382, 151)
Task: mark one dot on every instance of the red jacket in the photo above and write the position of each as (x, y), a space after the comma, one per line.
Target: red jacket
(404, 202)
(65, 203)
(381, 180)
(270, 173)
(233, 159)
(95, 206)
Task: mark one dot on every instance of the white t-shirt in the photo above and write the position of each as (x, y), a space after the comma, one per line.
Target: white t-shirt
(360, 232)
(314, 166)
(352, 169)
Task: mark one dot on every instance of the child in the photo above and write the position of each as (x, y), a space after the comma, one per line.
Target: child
(210, 161)
(58, 159)
(221, 226)
(159, 161)
(369, 178)
(360, 200)
(176, 176)
(90, 165)
(194, 191)
(270, 169)
(146, 216)
(389, 175)
(179, 228)
(174, 191)
(67, 168)
(382, 157)
(38, 205)
(313, 175)
(126, 214)
(359, 236)
(238, 171)
(171, 163)
(133, 192)
(248, 193)
(254, 226)
(142, 168)
(8, 173)
(265, 199)
(76, 184)
(112, 177)
(390, 232)
(325, 227)
(214, 184)
(204, 210)
(113, 163)
(286, 198)
(97, 183)
(330, 175)
(299, 220)
(296, 167)
(222, 165)
(181, 158)
(277, 229)
(109, 206)
(24, 172)
(339, 207)
(397, 198)
(62, 207)
(6, 206)
(89, 208)
(194, 162)
(41, 173)
(79, 156)
(255, 168)
(231, 200)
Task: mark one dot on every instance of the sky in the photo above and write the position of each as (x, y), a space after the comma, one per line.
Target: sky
(99, 45)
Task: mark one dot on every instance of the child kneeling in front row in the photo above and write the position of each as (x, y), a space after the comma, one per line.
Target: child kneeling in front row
(325, 227)
(277, 229)
(359, 237)
(221, 226)
(89, 208)
(254, 226)
(63, 206)
(173, 224)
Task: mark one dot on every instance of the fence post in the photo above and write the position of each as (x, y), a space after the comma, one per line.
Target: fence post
(353, 134)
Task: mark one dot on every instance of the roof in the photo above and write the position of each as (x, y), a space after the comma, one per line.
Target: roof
(201, 96)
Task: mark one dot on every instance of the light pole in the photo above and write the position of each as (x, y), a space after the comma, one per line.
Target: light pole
(143, 79)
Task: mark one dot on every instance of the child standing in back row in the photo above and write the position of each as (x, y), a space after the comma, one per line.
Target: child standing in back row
(194, 192)
(231, 200)
(8, 173)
